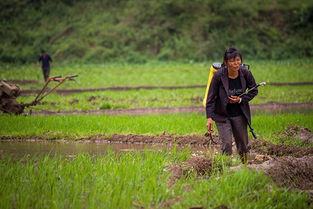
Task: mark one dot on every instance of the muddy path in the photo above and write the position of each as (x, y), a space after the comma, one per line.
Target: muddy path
(259, 146)
(164, 138)
(20, 81)
(271, 107)
(125, 88)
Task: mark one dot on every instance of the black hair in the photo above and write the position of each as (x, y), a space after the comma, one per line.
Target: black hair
(42, 51)
(231, 53)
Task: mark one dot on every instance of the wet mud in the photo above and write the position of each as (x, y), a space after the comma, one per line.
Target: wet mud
(267, 148)
(271, 107)
(125, 88)
(161, 139)
(287, 171)
(111, 88)
(20, 81)
(291, 172)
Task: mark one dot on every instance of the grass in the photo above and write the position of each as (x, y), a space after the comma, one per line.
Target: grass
(159, 98)
(132, 180)
(156, 73)
(80, 126)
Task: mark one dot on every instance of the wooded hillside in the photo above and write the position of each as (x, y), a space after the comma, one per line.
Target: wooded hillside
(137, 31)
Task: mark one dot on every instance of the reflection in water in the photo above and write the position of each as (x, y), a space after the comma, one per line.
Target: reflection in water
(19, 149)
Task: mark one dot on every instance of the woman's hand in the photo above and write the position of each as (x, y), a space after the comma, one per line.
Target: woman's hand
(209, 125)
(234, 99)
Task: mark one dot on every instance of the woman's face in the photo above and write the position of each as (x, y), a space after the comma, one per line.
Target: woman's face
(234, 63)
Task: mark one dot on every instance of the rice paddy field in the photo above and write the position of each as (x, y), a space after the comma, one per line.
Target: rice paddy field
(134, 180)
(142, 179)
(155, 73)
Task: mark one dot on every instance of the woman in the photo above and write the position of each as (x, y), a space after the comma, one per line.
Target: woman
(230, 112)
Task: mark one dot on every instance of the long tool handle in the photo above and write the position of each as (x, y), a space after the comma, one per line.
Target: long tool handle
(45, 86)
(61, 80)
(72, 76)
(42, 90)
(49, 92)
(256, 86)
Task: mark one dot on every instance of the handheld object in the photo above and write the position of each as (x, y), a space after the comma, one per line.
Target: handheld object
(256, 86)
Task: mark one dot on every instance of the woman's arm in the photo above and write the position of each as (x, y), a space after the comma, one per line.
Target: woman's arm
(250, 84)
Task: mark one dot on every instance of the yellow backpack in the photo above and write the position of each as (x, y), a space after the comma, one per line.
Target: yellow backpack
(214, 67)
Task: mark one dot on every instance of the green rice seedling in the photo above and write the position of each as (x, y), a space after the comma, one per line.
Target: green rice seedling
(243, 188)
(267, 126)
(155, 73)
(85, 126)
(159, 98)
(105, 106)
(131, 180)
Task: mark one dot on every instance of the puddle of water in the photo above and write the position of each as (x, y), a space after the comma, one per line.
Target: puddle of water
(19, 149)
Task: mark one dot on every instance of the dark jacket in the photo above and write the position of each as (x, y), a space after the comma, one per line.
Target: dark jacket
(217, 100)
(45, 61)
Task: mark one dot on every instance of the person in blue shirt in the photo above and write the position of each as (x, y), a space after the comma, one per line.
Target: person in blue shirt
(45, 61)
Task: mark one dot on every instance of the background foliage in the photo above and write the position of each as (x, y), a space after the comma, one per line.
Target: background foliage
(135, 31)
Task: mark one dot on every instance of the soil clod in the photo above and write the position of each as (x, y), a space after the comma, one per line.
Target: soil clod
(268, 148)
(164, 138)
(200, 165)
(221, 207)
(170, 202)
(296, 132)
(289, 172)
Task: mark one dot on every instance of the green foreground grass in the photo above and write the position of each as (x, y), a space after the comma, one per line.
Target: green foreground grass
(83, 126)
(134, 180)
(156, 73)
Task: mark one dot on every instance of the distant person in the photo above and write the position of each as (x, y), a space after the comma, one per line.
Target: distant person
(230, 112)
(45, 60)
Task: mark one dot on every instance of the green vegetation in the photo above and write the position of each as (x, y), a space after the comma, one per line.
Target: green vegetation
(156, 73)
(147, 43)
(159, 98)
(81, 126)
(136, 31)
(132, 180)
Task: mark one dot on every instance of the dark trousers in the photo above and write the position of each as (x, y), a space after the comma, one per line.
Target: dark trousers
(237, 127)
(46, 73)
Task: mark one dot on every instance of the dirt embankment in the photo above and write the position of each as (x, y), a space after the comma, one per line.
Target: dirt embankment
(268, 148)
(289, 172)
(288, 166)
(161, 139)
(271, 107)
(126, 88)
